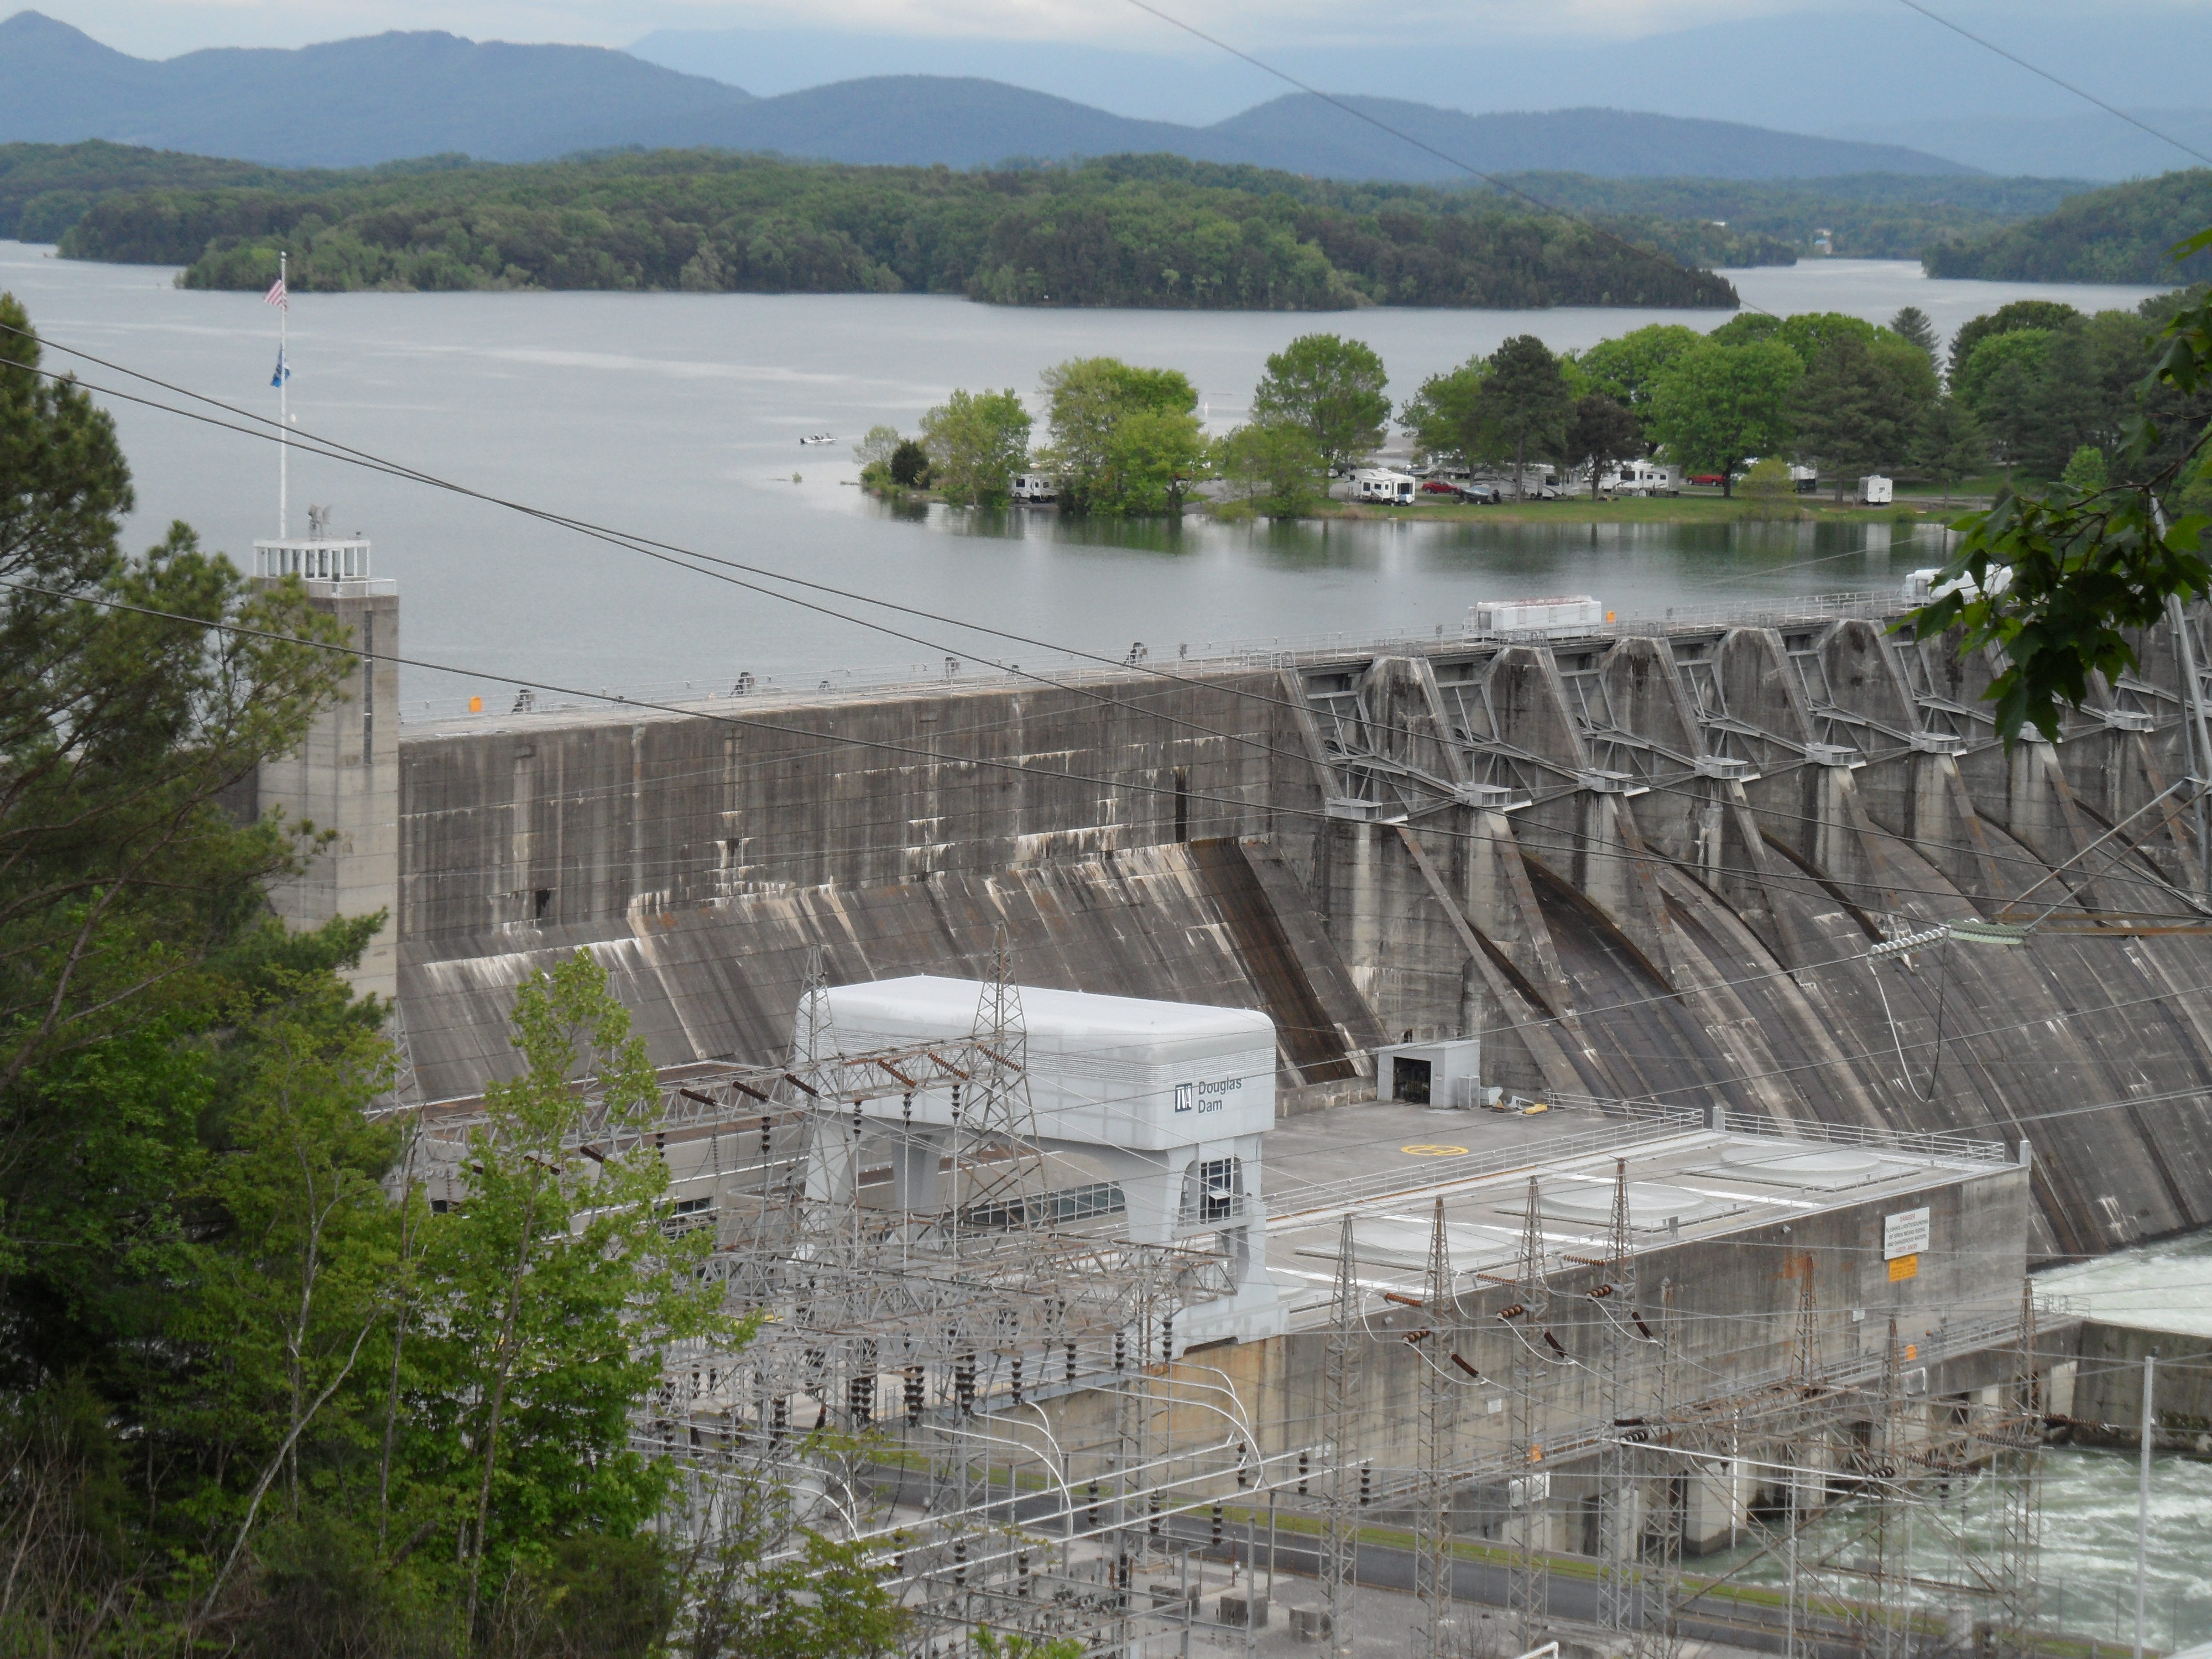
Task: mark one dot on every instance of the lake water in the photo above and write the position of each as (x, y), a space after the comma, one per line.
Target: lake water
(677, 417)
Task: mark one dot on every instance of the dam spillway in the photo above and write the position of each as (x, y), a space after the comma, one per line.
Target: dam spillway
(1641, 862)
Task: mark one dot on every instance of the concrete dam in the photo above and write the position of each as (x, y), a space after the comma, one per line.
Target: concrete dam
(1643, 861)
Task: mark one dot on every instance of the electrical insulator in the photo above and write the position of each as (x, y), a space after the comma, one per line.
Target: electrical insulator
(1090, 1506)
(1070, 1362)
(860, 1400)
(1017, 1376)
(1366, 1483)
(913, 1394)
(1121, 1350)
(1216, 1526)
(960, 1562)
(1022, 1569)
(963, 1383)
(1302, 1474)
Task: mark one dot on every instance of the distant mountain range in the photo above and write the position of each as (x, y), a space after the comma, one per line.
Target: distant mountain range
(2094, 145)
(1845, 68)
(394, 96)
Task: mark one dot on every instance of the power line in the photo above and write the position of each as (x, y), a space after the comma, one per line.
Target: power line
(2033, 69)
(1675, 266)
(681, 558)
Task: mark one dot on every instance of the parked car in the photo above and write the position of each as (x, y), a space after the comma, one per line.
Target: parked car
(1713, 478)
(1439, 486)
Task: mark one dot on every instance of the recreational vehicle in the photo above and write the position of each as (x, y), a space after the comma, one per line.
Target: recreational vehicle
(1380, 483)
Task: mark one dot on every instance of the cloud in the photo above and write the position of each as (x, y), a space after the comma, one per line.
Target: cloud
(163, 27)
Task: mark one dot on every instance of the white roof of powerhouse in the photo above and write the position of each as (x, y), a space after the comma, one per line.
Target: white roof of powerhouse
(1063, 1021)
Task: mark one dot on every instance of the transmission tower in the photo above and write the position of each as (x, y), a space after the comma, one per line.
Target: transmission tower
(1527, 1584)
(996, 1167)
(1620, 1522)
(2017, 1467)
(1432, 1564)
(1339, 1397)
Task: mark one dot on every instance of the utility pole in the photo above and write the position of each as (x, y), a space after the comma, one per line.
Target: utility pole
(2142, 1492)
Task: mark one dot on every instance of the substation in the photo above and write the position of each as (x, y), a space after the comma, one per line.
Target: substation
(1436, 1145)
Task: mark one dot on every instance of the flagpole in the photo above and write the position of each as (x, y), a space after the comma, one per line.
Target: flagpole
(283, 403)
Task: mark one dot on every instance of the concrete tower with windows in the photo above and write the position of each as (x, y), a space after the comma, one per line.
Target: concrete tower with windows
(345, 777)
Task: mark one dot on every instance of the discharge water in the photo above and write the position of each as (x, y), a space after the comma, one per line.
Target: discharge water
(2089, 1495)
(678, 416)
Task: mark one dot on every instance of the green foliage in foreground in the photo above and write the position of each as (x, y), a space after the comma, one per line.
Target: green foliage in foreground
(1152, 231)
(258, 1394)
(2122, 234)
(2084, 566)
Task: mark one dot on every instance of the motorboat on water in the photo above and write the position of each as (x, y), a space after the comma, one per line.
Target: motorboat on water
(814, 438)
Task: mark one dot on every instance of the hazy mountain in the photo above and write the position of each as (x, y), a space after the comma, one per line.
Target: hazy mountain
(1606, 143)
(2091, 146)
(374, 99)
(389, 96)
(1858, 69)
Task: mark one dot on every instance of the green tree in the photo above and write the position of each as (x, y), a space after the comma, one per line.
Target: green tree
(2084, 572)
(1717, 405)
(2044, 314)
(1445, 416)
(874, 453)
(131, 903)
(1329, 387)
(283, 1298)
(1948, 444)
(1523, 406)
(909, 466)
(550, 1294)
(2001, 383)
(1600, 434)
(2086, 470)
(1627, 369)
(977, 442)
(1859, 402)
(1124, 439)
(1275, 470)
(1911, 325)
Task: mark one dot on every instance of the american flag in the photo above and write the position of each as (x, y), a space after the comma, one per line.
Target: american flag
(276, 296)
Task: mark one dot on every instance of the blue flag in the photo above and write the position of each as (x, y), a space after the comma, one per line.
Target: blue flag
(283, 371)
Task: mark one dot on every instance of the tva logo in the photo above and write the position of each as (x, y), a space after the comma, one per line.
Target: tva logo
(1186, 1097)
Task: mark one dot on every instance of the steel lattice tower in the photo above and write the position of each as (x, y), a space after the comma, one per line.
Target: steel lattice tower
(1432, 1560)
(1340, 1399)
(2017, 1466)
(1528, 1586)
(1619, 1386)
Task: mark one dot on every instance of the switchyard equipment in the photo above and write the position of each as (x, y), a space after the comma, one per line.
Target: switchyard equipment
(1616, 1335)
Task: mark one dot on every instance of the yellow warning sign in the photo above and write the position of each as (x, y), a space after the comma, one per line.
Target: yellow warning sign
(1905, 1267)
(1432, 1151)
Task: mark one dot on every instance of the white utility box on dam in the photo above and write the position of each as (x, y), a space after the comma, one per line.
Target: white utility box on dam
(1152, 1116)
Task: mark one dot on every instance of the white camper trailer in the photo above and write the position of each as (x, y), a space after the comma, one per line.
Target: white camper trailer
(1380, 483)
(1033, 487)
(1874, 491)
(1643, 478)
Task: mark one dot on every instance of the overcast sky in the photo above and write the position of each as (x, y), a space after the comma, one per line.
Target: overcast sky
(160, 28)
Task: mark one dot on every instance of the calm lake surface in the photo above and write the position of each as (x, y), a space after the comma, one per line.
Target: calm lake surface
(678, 416)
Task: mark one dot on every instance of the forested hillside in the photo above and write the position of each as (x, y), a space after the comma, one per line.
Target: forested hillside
(2117, 234)
(1148, 231)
